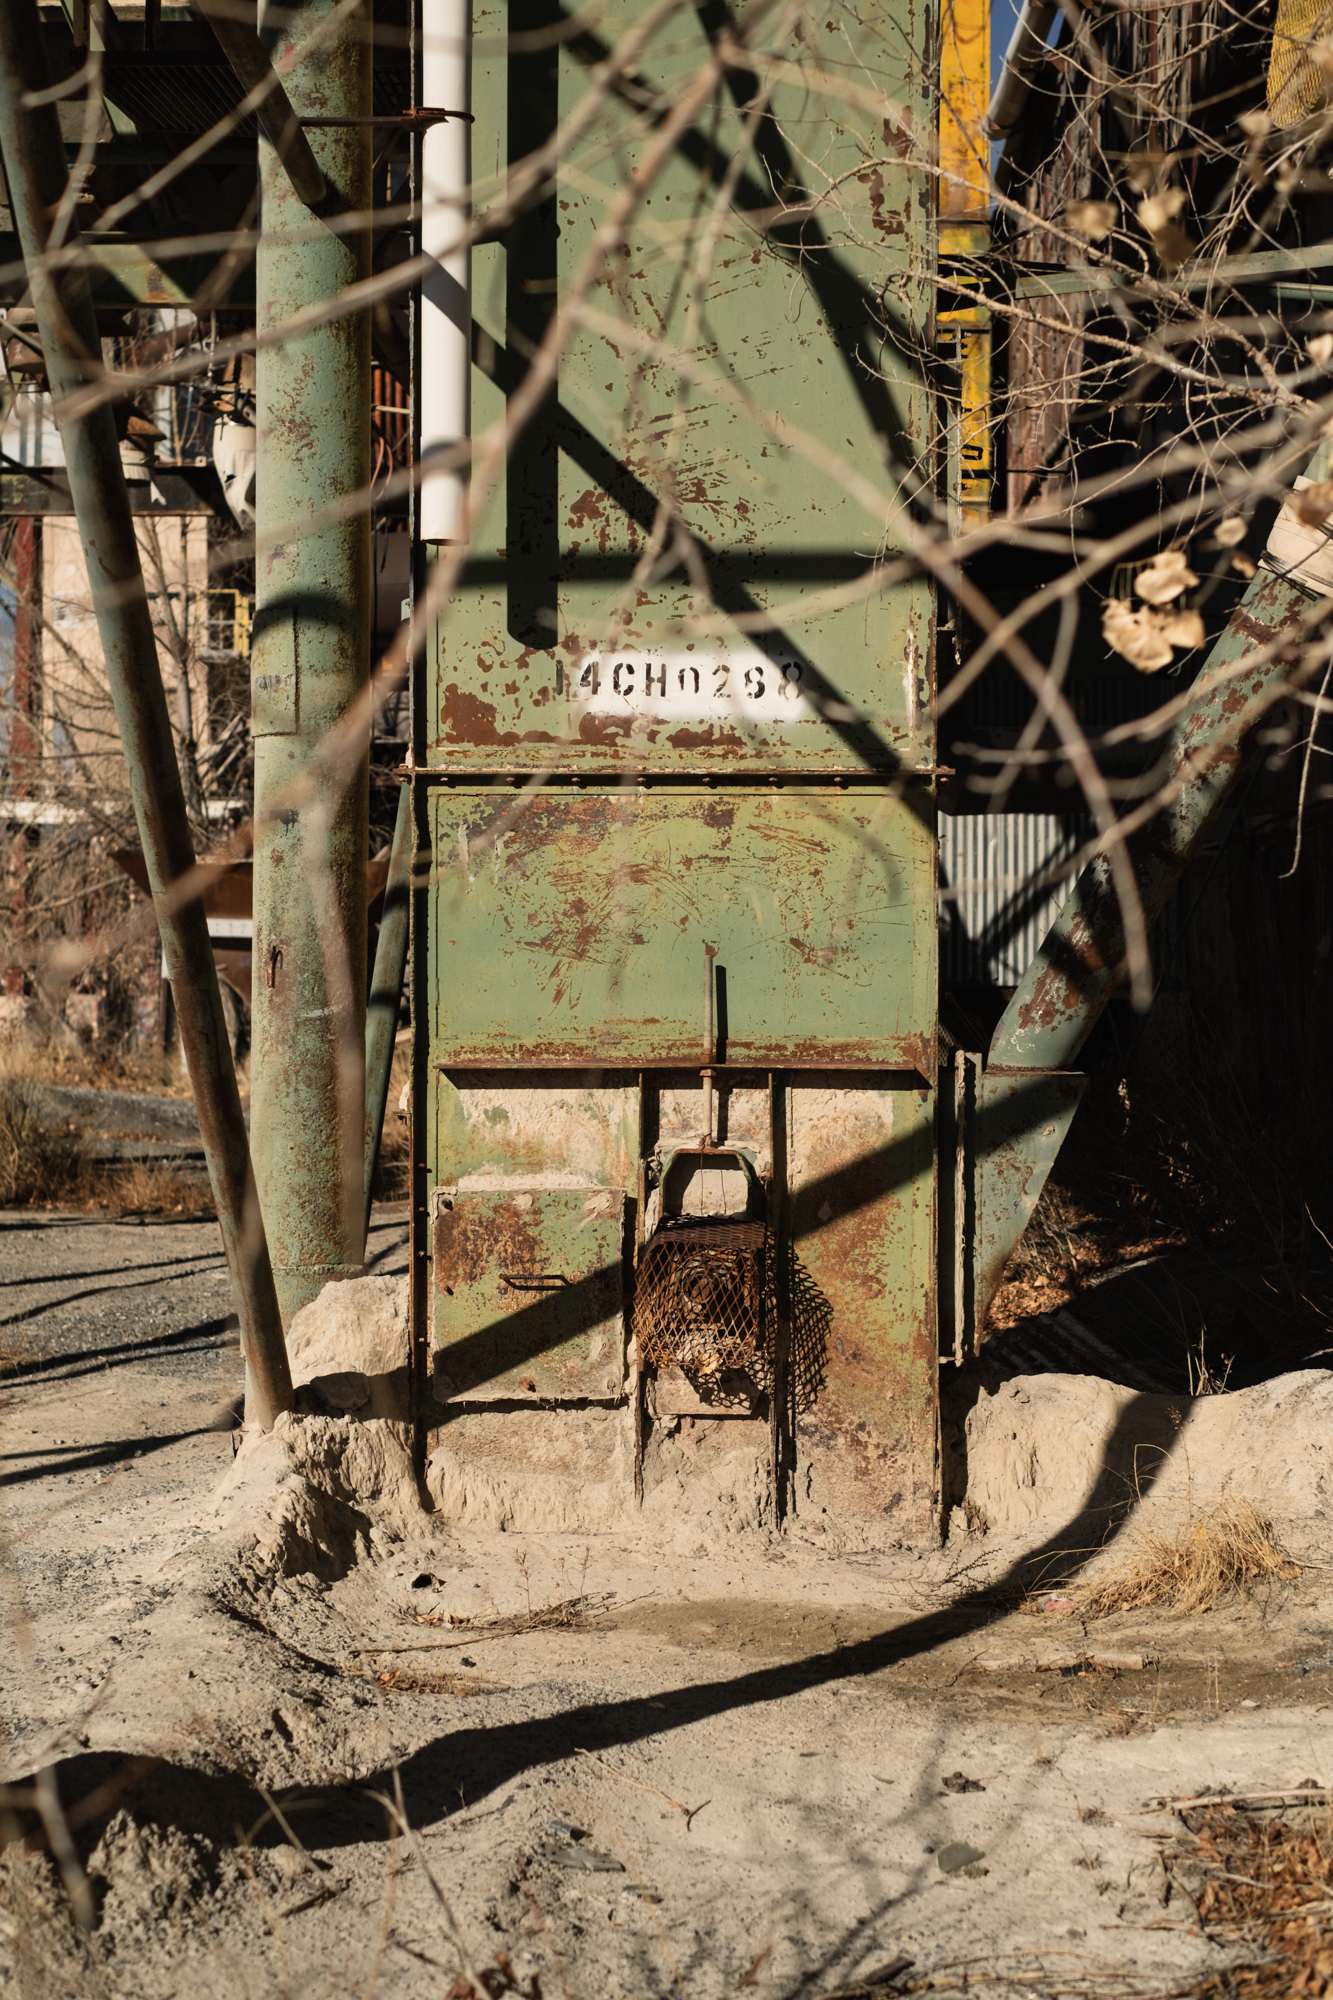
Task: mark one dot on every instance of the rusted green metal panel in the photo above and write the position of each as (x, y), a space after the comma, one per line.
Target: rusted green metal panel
(862, 1174)
(1002, 1137)
(511, 1260)
(582, 920)
(579, 1126)
(568, 650)
(731, 725)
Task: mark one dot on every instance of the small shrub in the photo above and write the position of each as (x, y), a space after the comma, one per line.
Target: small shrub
(1218, 1554)
(155, 1187)
(40, 1159)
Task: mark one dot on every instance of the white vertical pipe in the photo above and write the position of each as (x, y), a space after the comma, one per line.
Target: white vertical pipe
(445, 366)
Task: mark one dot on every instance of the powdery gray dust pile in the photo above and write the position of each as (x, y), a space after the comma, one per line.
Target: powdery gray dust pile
(315, 1741)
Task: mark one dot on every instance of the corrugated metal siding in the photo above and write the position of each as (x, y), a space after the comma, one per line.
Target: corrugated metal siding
(1003, 876)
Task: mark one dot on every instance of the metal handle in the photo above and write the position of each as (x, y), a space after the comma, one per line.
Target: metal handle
(710, 1039)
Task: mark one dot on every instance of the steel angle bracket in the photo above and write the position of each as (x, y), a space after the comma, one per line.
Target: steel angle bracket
(1006, 1128)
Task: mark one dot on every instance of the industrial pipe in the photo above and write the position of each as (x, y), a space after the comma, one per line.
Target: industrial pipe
(386, 985)
(310, 660)
(249, 63)
(35, 170)
(1022, 59)
(444, 380)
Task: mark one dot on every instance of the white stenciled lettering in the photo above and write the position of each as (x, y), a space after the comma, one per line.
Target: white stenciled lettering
(749, 686)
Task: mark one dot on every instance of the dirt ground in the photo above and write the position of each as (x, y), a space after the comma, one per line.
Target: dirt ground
(289, 1735)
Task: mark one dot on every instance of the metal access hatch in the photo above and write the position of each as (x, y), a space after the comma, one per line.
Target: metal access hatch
(529, 1293)
(571, 927)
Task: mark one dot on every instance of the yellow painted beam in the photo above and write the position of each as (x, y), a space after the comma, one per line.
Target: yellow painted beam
(964, 199)
(964, 92)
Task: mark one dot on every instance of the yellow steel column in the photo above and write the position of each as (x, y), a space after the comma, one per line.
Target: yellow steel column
(965, 332)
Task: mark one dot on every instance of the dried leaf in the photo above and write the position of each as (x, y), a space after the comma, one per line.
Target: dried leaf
(1319, 347)
(1146, 168)
(1157, 213)
(1093, 219)
(1136, 635)
(1157, 210)
(1244, 565)
(1165, 578)
(1174, 247)
(1183, 628)
(1230, 530)
(1313, 503)
(1255, 124)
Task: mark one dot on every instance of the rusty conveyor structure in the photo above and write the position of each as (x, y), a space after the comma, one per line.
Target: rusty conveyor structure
(691, 1163)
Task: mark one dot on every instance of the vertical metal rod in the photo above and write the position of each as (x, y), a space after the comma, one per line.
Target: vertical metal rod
(386, 984)
(25, 708)
(35, 170)
(776, 1298)
(26, 693)
(710, 1037)
(249, 63)
(309, 662)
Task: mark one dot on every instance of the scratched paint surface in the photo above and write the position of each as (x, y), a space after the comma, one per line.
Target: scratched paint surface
(529, 1293)
(861, 1170)
(570, 927)
(575, 642)
(566, 925)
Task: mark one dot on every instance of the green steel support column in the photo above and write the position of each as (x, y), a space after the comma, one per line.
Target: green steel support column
(386, 984)
(310, 659)
(274, 114)
(35, 172)
(1015, 1113)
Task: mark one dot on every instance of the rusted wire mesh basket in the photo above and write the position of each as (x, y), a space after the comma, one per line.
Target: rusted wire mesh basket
(701, 1301)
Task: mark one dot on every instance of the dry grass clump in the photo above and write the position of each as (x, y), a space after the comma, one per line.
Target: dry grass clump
(1269, 1884)
(1219, 1553)
(40, 1158)
(153, 1187)
(63, 1058)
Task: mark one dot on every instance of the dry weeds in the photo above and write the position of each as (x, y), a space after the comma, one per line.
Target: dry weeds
(40, 1159)
(1268, 1884)
(567, 1614)
(113, 1065)
(421, 1680)
(1219, 1553)
(44, 1162)
(150, 1187)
